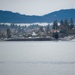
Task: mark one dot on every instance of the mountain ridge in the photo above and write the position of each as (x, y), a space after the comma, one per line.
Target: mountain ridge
(11, 17)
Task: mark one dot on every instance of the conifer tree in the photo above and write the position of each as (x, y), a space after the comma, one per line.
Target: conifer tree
(8, 33)
(71, 24)
(55, 25)
(61, 22)
(41, 29)
(66, 22)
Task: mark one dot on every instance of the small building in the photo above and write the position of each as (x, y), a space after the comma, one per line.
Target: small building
(34, 34)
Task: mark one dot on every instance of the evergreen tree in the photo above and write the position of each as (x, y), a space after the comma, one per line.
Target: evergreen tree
(8, 33)
(61, 22)
(41, 29)
(55, 25)
(67, 27)
(66, 22)
(56, 35)
(12, 25)
(62, 29)
(71, 24)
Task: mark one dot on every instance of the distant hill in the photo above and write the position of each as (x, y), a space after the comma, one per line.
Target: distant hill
(10, 17)
(61, 14)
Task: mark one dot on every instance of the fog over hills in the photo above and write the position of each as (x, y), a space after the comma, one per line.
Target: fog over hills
(11, 17)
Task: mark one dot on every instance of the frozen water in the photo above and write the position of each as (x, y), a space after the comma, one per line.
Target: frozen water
(37, 58)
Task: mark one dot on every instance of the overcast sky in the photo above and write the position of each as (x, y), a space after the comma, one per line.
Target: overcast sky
(36, 7)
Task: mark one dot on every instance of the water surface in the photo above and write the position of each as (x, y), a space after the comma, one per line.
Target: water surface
(37, 58)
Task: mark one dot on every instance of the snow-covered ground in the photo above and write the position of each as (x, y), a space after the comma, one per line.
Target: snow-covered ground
(73, 39)
(67, 38)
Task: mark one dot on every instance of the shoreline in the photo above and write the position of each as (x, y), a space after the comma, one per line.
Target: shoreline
(67, 38)
(29, 39)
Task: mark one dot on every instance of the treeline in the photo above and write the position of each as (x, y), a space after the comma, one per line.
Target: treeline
(63, 28)
(66, 27)
(65, 23)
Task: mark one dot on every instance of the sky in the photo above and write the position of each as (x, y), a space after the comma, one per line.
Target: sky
(36, 7)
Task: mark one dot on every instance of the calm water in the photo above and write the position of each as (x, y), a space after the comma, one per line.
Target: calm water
(37, 58)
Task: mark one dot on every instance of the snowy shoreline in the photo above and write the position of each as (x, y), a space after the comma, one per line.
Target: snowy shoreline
(67, 38)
